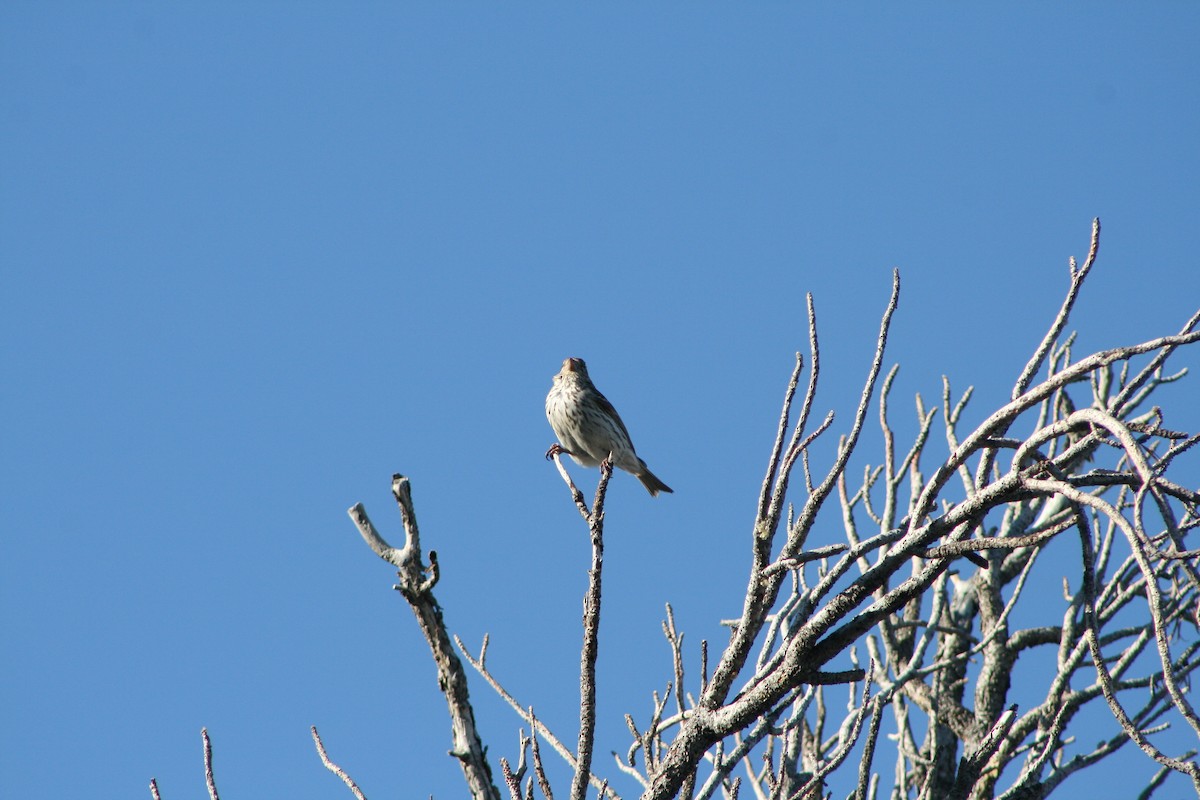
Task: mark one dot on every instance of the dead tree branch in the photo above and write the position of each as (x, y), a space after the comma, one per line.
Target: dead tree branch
(928, 582)
(334, 768)
(415, 585)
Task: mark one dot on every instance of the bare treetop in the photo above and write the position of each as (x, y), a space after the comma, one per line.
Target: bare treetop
(917, 603)
(914, 612)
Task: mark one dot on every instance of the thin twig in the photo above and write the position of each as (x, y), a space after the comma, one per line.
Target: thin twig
(576, 495)
(591, 643)
(481, 667)
(1060, 321)
(209, 780)
(538, 770)
(334, 768)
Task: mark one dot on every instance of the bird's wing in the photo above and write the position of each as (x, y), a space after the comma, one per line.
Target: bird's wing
(607, 407)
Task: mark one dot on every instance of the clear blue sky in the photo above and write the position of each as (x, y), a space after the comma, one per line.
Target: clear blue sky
(258, 257)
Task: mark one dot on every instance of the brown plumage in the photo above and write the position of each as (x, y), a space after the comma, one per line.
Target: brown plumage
(590, 429)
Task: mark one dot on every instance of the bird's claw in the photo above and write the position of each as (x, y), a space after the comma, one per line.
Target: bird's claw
(555, 450)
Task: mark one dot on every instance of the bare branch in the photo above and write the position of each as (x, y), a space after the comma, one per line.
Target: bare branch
(538, 769)
(537, 725)
(417, 590)
(576, 495)
(334, 768)
(591, 645)
(765, 495)
(1060, 321)
(940, 635)
(209, 780)
(511, 780)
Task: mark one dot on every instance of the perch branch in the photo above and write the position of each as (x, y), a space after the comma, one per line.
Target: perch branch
(591, 640)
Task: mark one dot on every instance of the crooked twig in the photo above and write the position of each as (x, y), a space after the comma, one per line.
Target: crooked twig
(334, 768)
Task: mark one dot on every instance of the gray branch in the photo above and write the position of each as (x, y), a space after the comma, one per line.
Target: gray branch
(416, 586)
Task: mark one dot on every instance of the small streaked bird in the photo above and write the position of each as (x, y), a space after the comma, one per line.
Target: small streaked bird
(588, 427)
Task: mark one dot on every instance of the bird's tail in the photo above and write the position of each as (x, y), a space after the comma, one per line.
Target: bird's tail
(652, 483)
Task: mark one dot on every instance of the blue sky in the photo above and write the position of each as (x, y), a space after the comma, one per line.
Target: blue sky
(258, 257)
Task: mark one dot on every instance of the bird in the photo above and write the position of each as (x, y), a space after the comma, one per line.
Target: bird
(589, 429)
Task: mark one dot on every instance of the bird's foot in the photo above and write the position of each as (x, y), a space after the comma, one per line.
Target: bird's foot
(555, 450)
